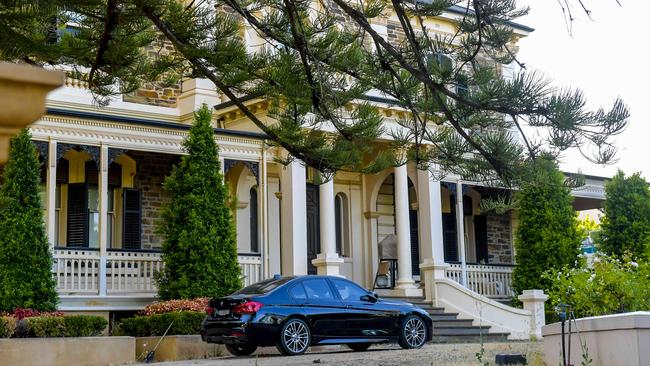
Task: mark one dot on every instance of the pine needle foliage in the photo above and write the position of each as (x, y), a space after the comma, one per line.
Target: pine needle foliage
(25, 260)
(625, 227)
(547, 236)
(200, 248)
(325, 70)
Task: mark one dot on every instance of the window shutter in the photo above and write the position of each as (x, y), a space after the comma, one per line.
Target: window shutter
(92, 174)
(415, 243)
(62, 171)
(450, 241)
(480, 235)
(255, 245)
(115, 175)
(131, 236)
(77, 233)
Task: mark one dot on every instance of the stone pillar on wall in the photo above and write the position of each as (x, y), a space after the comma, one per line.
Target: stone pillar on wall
(293, 212)
(533, 301)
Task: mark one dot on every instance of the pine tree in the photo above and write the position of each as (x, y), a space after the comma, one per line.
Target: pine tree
(547, 236)
(626, 224)
(323, 69)
(25, 259)
(199, 249)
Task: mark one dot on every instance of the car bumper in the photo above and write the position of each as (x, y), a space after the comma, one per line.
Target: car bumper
(238, 332)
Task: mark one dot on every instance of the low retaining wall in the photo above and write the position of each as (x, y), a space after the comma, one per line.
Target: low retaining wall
(177, 347)
(84, 351)
(618, 339)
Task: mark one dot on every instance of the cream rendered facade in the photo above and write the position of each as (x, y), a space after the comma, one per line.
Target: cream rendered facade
(115, 159)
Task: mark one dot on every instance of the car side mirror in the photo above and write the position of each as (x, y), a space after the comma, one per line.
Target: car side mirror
(370, 297)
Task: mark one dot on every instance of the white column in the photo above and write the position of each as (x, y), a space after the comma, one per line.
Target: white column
(403, 228)
(263, 198)
(51, 194)
(327, 262)
(103, 217)
(294, 219)
(460, 225)
(430, 230)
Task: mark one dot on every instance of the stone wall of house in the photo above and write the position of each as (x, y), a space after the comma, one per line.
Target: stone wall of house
(151, 170)
(499, 239)
(164, 93)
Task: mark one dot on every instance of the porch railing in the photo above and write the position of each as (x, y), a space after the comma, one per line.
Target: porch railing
(251, 268)
(494, 281)
(77, 271)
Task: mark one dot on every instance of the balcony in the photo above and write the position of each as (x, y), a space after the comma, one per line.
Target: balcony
(493, 281)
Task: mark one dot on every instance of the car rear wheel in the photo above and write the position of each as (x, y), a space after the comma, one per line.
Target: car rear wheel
(358, 347)
(413, 333)
(241, 349)
(295, 338)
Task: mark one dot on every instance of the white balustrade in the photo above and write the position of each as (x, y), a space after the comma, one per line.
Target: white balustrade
(251, 268)
(488, 280)
(76, 271)
(132, 272)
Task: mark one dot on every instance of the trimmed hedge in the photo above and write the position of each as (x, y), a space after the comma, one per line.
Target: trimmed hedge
(185, 322)
(7, 326)
(52, 326)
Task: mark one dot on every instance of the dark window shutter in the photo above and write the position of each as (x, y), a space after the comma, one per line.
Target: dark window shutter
(338, 214)
(450, 241)
(131, 236)
(62, 171)
(77, 233)
(480, 233)
(467, 205)
(92, 174)
(255, 245)
(115, 175)
(415, 245)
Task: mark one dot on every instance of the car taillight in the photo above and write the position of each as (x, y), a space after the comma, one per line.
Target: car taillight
(249, 307)
(208, 310)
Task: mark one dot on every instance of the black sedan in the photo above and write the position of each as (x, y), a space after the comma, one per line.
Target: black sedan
(293, 313)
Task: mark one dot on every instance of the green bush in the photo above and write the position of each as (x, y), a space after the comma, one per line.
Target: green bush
(200, 247)
(626, 223)
(84, 325)
(25, 259)
(610, 286)
(7, 326)
(547, 235)
(185, 322)
(45, 326)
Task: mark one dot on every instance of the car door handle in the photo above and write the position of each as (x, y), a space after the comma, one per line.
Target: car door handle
(348, 306)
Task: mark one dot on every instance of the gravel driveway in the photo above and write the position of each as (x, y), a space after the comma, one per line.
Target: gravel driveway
(381, 355)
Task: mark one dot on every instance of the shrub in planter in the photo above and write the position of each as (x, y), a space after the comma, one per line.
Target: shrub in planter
(45, 326)
(7, 326)
(84, 325)
(160, 307)
(185, 322)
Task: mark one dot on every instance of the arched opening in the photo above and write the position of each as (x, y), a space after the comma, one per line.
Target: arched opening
(342, 217)
(254, 229)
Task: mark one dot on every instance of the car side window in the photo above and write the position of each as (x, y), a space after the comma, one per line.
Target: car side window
(318, 289)
(298, 292)
(348, 290)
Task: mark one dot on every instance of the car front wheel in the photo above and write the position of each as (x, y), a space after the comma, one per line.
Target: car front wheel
(241, 349)
(295, 337)
(413, 333)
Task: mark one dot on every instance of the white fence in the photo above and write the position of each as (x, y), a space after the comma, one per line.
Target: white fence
(251, 268)
(493, 281)
(77, 271)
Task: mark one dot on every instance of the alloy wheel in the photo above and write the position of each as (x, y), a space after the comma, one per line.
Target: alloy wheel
(415, 332)
(295, 336)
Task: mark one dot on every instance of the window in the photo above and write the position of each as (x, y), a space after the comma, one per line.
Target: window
(255, 242)
(348, 290)
(93, 217)
(342, 225)
(318, 289)
(263, 287)
(298, 292)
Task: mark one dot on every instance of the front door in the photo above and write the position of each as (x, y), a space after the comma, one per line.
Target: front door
(313, 226)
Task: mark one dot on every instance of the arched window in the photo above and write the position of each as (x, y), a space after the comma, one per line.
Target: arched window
(342, 225)
(255, 241)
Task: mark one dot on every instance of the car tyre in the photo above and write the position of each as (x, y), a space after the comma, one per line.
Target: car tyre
(359, 347)
(413, 332)
(295, 337)
(241, 349)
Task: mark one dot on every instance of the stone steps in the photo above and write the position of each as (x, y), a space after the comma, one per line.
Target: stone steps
(447, 328)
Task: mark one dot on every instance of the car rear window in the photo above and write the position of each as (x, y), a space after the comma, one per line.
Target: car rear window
(263, 287)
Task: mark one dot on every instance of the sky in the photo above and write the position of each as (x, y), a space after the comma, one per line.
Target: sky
(606, 57)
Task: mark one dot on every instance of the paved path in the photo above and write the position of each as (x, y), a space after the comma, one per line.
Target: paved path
(381, 355)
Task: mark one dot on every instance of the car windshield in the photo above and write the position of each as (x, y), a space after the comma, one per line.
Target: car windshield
(263, 287)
